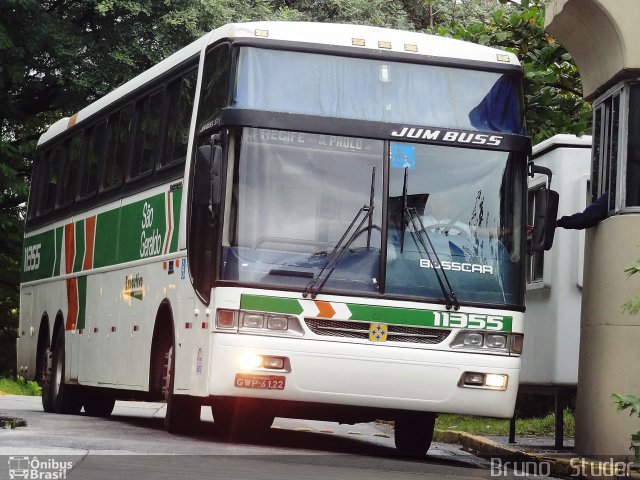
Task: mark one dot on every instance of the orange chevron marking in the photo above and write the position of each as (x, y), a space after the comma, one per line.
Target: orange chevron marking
(325, 309)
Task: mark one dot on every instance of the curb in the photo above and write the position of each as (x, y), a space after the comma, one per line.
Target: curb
(558, 466)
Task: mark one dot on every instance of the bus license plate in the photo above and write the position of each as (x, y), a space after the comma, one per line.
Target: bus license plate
(264, 382)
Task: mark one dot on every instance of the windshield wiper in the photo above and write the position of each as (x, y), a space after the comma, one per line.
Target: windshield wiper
(410, 214)
(366, 212)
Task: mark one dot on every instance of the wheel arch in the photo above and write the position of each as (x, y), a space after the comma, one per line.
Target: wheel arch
(162, 338)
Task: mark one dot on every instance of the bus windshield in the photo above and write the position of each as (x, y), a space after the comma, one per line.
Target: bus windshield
(377, 90)
(292, 196)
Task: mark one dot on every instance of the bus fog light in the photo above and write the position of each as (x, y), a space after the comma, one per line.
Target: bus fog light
(277, 323)
(275, 363)
(495, 381)
(226, 319)
(471, 378)
(496, 341)
(473, 339)
(252, 320)
(249, 361)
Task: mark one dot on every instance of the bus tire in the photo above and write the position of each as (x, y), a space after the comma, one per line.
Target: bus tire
(413, 433)
(46, 360)
(99, 402)
(183, 411)
(64, 398)
(238, 424)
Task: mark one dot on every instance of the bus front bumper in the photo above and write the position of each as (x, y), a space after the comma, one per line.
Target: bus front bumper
(375, 375)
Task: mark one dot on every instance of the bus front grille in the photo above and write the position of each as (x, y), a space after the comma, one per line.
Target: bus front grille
(360, 330)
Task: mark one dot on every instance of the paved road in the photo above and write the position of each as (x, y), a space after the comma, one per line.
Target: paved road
(133, 444)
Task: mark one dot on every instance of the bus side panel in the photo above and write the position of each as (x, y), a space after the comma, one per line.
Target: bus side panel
(27, 341)
(89, 340)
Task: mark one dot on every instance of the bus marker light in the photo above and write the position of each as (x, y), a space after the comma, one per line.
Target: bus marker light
(205, 325)
(501, 57)
(226, 319)
(517, 341)
(408, 47)
(382, 44)
(188, 325)
(358, 42)
(261, 33)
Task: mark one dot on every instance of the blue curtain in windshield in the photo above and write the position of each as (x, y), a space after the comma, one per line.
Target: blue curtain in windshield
(375, 90)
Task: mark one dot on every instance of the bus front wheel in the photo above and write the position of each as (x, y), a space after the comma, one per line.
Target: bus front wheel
(414, 432)
(183, 412)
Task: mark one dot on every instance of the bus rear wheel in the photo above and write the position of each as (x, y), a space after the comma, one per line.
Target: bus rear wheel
(414, 432)
(57, 396)
(183, 412)
(98, 402)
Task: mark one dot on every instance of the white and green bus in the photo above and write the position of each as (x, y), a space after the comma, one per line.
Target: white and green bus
(286, 219)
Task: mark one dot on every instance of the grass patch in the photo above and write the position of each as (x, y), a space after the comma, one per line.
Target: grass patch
(19, 386)
(543, 426)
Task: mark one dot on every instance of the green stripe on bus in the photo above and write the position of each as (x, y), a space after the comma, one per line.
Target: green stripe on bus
(38, 256)
(57, 251)
(176, 202)
(82, 302)
(260, 303)
(79, 238)
(106, 243)
(124, 234)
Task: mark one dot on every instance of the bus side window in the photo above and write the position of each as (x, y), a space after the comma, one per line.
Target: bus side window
(94, 152)
(49, 184)
(70, 159)
(34, 191)
(213, 96)
(181, 94)
(147, 139)
(118, 151)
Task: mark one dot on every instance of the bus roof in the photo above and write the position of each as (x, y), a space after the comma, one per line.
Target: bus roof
(340, 35)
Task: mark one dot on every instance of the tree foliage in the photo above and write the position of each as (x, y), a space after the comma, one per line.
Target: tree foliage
(553, 89)
(56, 56)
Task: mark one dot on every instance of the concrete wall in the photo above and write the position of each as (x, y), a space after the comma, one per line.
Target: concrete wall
(609, 339)
(602, 36)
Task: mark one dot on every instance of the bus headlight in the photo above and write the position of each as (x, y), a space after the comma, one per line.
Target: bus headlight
(496, 341)
(489, 342)
(257, 322)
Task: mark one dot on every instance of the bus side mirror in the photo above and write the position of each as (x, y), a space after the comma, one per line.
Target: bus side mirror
(206, 176)
(544, 220)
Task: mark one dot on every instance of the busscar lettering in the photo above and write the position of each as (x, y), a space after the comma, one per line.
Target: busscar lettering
(458, 266)
(450, 136)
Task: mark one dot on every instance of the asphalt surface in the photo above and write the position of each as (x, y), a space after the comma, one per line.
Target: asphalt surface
(132, 443)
